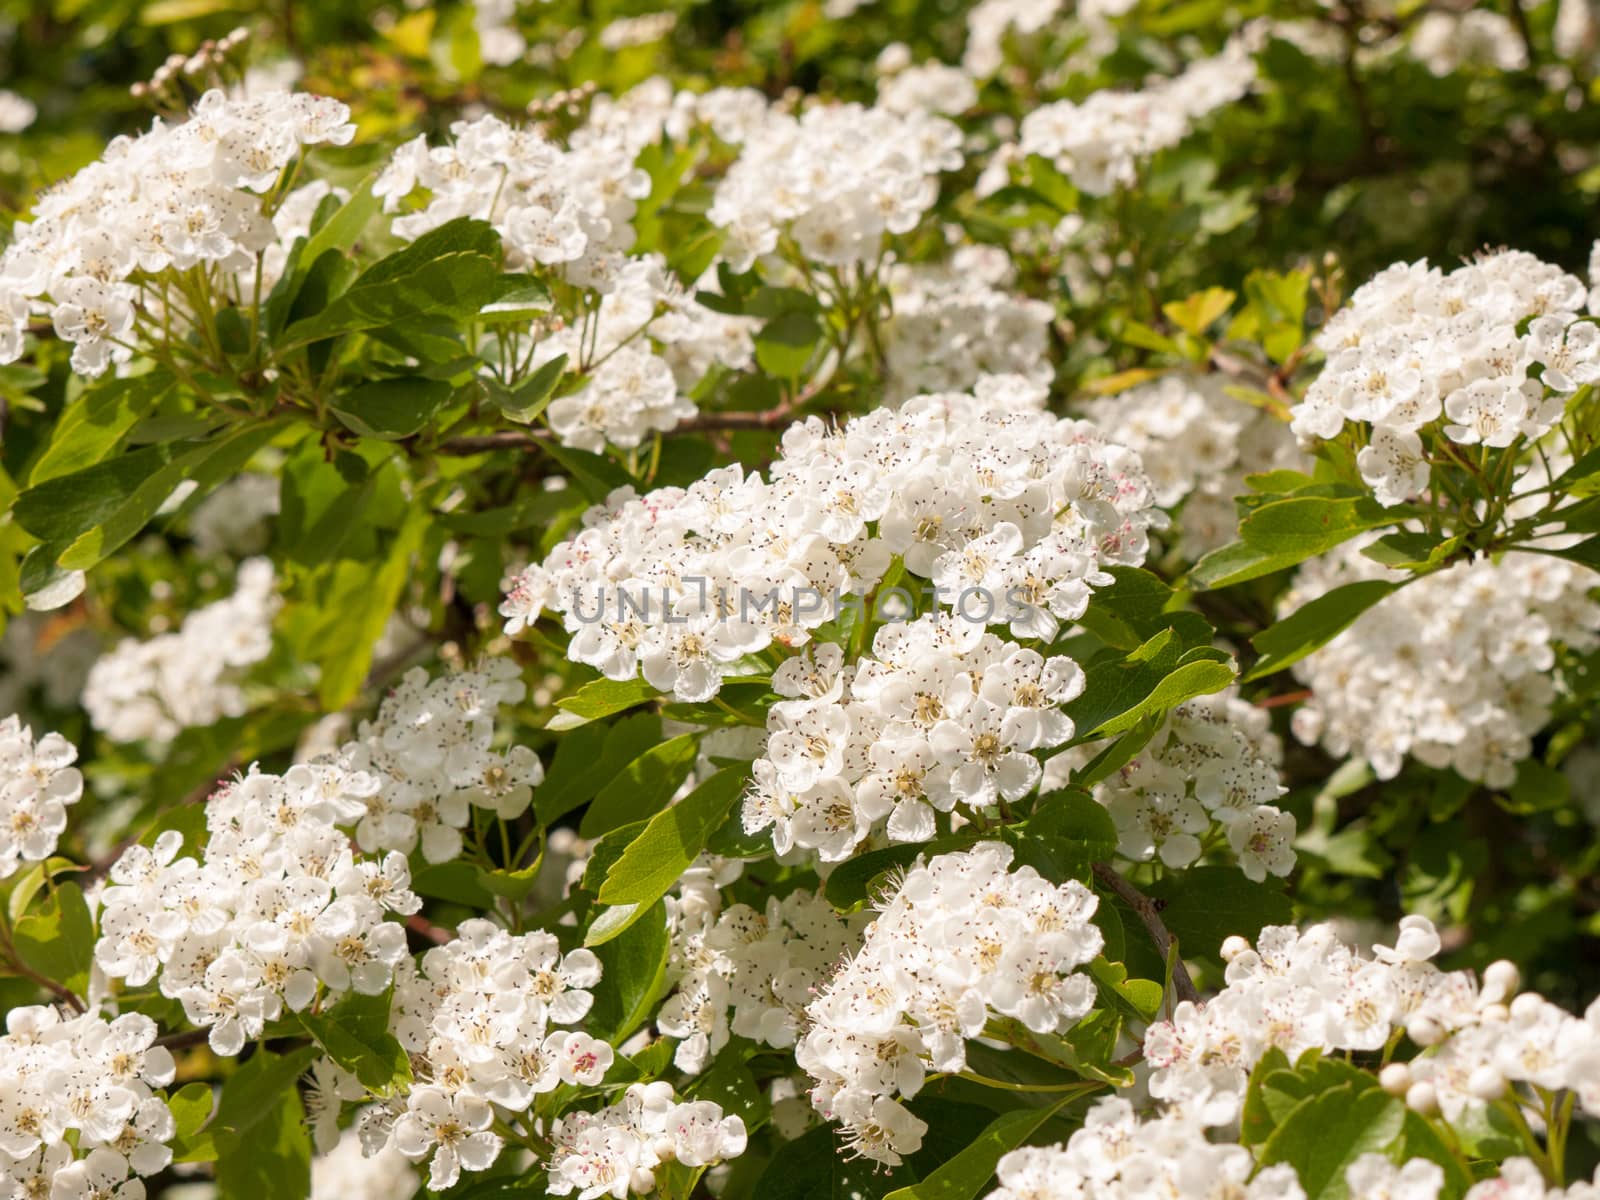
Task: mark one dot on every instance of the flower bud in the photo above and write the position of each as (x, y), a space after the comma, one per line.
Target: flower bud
(1395, 1079)
(1501, 980)
(1233, 947)
(1526, 1006)
(1424, 1030)
(1422, 1098)
(1486, 1084)
(1494, 1014)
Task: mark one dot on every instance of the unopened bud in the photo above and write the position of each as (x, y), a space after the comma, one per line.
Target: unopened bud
(1501, 980)
(1496, 1014)
(1395, 1079)
(1424, 1030)
(1526, 1006)
(1421, 1098)
(1233, 947)
(1486, 1084)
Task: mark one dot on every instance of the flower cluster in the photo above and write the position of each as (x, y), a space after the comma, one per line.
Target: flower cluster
(1197, 444)
(150, 690)
(173, 198)
(617, 1150)
(279, 906)
(80, 1111)
(429, 755)
(552, 207)
(276, 909)
(957, 322)
(1117, 1156)
(476, 1019)
(1416, 344)
(1100, 143)
(835, 181)
(37, 783)
(500, 42)
(991, 22)
(1303, 991)
(764, 966)
(1215, 759)
(1444, 42)
(1008, 510)
(923, 725)
(962, 940)
(1519, 1179)
(1454, 668)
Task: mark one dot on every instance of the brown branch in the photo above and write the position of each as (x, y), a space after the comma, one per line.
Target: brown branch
(180, 1041)
(420, 924)
(15, 966)
(1150, 913)
(528, 439)
(1284, 698)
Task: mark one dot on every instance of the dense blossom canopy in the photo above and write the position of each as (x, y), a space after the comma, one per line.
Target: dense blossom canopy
(890, 599)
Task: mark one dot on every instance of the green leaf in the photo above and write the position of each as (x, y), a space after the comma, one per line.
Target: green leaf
(322, 503)
(1204, 905)
(612, 922)
(658, 857)
(355, 1034)
(851, 881)
(275, 1160)
(596, 476)
(602, 697)
(1119, 693)
(528, 399)
(816, 1166)
(643, 787)
(519, 299)
(451, 271)
(206, 466)
(1195, 314)
(1325, 1133)
(247, 1096)
(1314, 625)
(1282, 533)
(1419, 1139)
(24, 886)
(91, 427)
(966, 1173)
(63, 507)
(1257, 1121)
(633, 976)
(391, 409)
(1410, 551)
(361, 604)
(1074, 826)
(1136, 333)
(58, 941)
(349, 221)
(1140, 998)
(1130, 610)
(785, 344)
(191, 1107)
(589, 757)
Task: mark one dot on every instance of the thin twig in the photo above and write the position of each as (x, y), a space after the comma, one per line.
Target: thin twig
(179, 1041)
(1150, 913)
(420, 924)
(527, 439)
